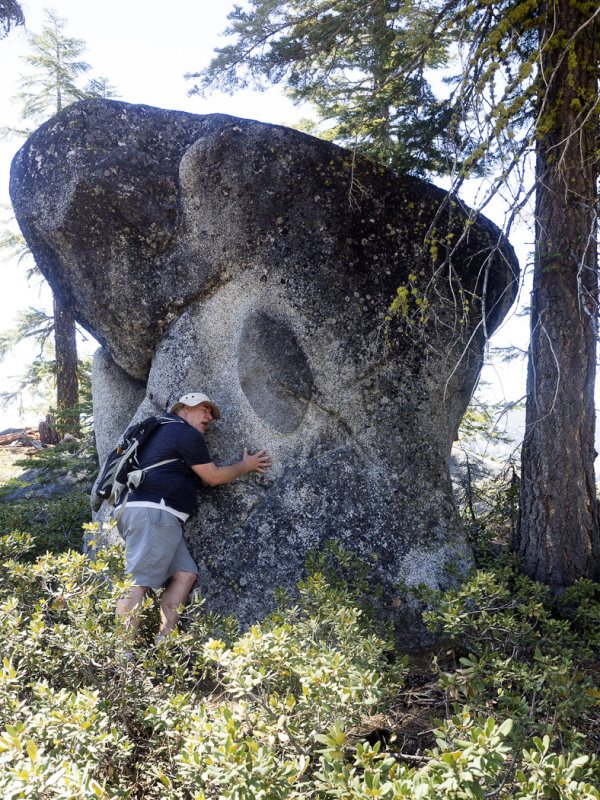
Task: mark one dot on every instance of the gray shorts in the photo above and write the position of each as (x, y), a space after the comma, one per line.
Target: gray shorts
(154, 546)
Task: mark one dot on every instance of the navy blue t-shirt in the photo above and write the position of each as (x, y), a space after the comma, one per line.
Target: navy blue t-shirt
(175, 483)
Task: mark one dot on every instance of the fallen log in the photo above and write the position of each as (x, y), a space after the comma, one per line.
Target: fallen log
(24, 436)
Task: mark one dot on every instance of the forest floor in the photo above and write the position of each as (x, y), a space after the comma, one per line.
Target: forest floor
(14, 447)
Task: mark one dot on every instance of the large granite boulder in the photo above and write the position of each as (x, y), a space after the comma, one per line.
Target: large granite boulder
(258, 264)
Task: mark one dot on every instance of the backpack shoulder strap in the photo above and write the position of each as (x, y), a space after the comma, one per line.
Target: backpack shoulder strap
(162, 421)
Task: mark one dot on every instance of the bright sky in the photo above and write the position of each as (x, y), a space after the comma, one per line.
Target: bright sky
(143, 48)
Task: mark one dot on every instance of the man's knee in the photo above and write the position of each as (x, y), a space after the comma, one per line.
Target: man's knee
(184, 578)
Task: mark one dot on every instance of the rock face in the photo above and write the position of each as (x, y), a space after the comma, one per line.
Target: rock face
(258, 264)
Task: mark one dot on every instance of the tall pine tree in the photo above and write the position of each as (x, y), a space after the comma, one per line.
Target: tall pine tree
(51, 84)
(558, 535)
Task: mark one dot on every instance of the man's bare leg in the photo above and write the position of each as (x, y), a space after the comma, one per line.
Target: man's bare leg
(128, 609)
(174, 596)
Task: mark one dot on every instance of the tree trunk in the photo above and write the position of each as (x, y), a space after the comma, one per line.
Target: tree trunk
(558, 534)
(67, 389)
(47, 430)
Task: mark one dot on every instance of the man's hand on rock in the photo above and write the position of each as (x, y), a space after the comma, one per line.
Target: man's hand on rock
(259, 462)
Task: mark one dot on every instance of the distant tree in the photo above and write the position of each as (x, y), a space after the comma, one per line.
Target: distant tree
(11, 14)
(55, 61)
(37, 379)
(32, 323)
(13, 244)
(53, 83)
(99, 87)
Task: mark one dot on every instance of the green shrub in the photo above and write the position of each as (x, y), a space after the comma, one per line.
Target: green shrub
(281, 710)
(54, 524)
(520, 656)
(286, 681)
(580, 604)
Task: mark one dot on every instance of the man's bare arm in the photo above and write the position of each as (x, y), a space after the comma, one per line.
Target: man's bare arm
(215, 476)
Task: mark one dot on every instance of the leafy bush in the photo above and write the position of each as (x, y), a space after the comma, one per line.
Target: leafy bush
(522, 657)
(55, 524)
(472, 761)
(80, 720)
(288, 680)
(282, 710)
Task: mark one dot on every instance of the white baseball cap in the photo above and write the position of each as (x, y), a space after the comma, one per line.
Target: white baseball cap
(195, 399)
